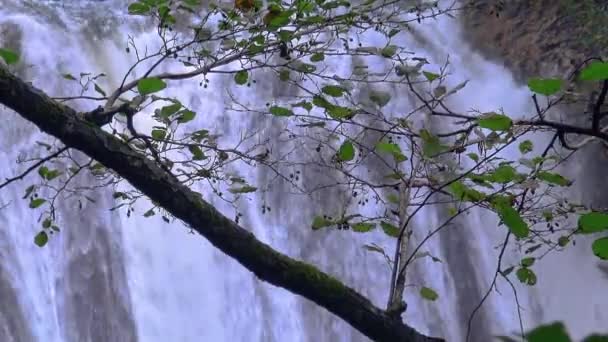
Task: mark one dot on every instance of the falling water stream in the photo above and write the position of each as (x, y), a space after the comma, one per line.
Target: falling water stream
(109, 277)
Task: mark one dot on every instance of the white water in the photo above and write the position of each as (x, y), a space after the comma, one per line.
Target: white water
(176, 287)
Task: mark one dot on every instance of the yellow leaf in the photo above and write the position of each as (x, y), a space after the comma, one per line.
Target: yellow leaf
(244, 5)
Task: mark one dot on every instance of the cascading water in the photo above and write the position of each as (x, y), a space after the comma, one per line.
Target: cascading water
(109, 277)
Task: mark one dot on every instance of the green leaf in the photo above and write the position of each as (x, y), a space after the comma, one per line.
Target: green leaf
(393, 33)
(552, 332)
(381, 98)
(389, 229)
(332, 90)
(439, 91)
(317, 57)
(526, 276)
(545, 86)
(280, 20)
(169, 110)
(335, 112)
(526, 146)
(593, 222)
(339, 112)
(99, 90)
(243, 190)
(474, 157)
(430, 76)
(392, 149)
(389, 51)
(600, 248)
(260, 39)
(159, 134)
(35, 203)
(431, 144)
(41, 238)
(149, 213)
(315, 19)
(319, 222)
(241, 77)
(68, 77)
(200, 135)
(284, 75)
(150, 85)
(320, 101)
(52, 174)
(304, 104)
(186, 115)
(138, 8)
(503, 174)
(164, 13)
(495, 122)
(596, 338)
(362, 227)
(465, 193)
(280, 111)
(9, 56)
(284, 35)
(304, 67)
(334, 4)
(47, 222)
(388, 147)
(511, 218)
(428, 294)
(563, 241)
(553, 178)
(255, 49)
(42, 171)
(481, 179)
(192, 3)
(197, 153)
(527, 262)
(346, 151)
(28, 191)
(392, 198)
(595, 71)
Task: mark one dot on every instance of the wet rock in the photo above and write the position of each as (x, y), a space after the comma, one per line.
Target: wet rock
(536, 37)
(548, 38)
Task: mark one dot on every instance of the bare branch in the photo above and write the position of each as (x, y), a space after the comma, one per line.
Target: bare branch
(186, 205)
(33, 167)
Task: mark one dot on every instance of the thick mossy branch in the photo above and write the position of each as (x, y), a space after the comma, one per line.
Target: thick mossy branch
(266, 263)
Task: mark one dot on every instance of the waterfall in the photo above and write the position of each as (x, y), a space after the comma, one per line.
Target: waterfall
(111, 277)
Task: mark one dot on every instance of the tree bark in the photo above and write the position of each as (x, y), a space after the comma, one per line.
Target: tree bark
(267, 264)
(396, 304)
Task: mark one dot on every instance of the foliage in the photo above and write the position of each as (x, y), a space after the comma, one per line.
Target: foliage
(554, 332)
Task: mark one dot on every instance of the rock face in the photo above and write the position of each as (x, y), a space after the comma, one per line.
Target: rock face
(548, 38)
(537, 37)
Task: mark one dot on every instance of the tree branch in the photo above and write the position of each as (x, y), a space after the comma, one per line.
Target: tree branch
(33, 167)
(266, 263)
(597, 108)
